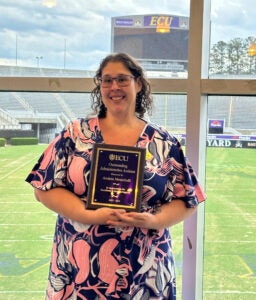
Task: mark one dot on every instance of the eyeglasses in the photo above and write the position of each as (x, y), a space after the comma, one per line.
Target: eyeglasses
(122, 80)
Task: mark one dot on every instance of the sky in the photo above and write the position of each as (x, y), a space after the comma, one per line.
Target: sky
(77, 34)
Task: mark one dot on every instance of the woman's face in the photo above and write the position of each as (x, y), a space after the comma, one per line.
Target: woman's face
(118, 99)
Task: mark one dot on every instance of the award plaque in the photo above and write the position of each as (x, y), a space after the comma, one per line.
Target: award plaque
(116, 177)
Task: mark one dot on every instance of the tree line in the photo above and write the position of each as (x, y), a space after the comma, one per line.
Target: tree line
(238, 56)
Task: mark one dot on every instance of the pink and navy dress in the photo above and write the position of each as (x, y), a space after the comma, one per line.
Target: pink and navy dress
(100, 262)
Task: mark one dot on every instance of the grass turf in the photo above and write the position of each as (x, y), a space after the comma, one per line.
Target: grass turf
(26, 227)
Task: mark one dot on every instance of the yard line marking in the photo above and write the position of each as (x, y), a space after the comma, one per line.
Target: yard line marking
(227, 213)
(15, 241)
(223, 226)
(233, 241)
(27, 224)
(16, 169)
(229, 292)
(250, 271)
(25, 212)
(23, 292)
(19, 202)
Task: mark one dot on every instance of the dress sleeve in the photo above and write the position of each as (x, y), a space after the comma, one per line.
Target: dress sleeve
(51, 169)
(185, 183)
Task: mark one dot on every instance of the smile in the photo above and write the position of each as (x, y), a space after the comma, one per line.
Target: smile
(117, 98)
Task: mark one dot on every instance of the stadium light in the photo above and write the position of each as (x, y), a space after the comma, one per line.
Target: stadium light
(252, 54)
(163, 24)
(163, 28)
(50, 3)
(38, 60)
(252, 50)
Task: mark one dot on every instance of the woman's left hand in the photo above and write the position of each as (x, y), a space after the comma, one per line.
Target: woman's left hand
(134, 219)
(167, 215)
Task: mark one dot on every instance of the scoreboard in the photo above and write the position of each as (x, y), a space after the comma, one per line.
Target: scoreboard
(159, 41)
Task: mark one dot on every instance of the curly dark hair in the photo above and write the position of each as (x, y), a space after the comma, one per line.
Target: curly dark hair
(144, 98)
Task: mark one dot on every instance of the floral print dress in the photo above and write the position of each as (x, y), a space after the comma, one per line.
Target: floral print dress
(100, 262)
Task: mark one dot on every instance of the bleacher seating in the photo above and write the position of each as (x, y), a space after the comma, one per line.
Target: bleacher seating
(8, 102)
(238, 112)
(169, 110)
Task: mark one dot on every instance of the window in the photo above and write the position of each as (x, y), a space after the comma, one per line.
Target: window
(51, 48)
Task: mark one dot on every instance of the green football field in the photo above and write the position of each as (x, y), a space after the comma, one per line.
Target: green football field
(26, 227)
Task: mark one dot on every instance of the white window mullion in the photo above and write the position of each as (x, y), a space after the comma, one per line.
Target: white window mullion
(193, 230)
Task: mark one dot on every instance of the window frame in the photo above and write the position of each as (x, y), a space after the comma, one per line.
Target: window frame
(197, 87)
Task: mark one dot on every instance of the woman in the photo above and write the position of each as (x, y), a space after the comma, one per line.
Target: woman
(110, 253)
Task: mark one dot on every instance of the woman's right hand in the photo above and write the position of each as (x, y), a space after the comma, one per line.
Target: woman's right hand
(105, 214)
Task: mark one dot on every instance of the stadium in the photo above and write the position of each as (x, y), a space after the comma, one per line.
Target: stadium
(160, 43)
(43, 115)
(220, 253)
